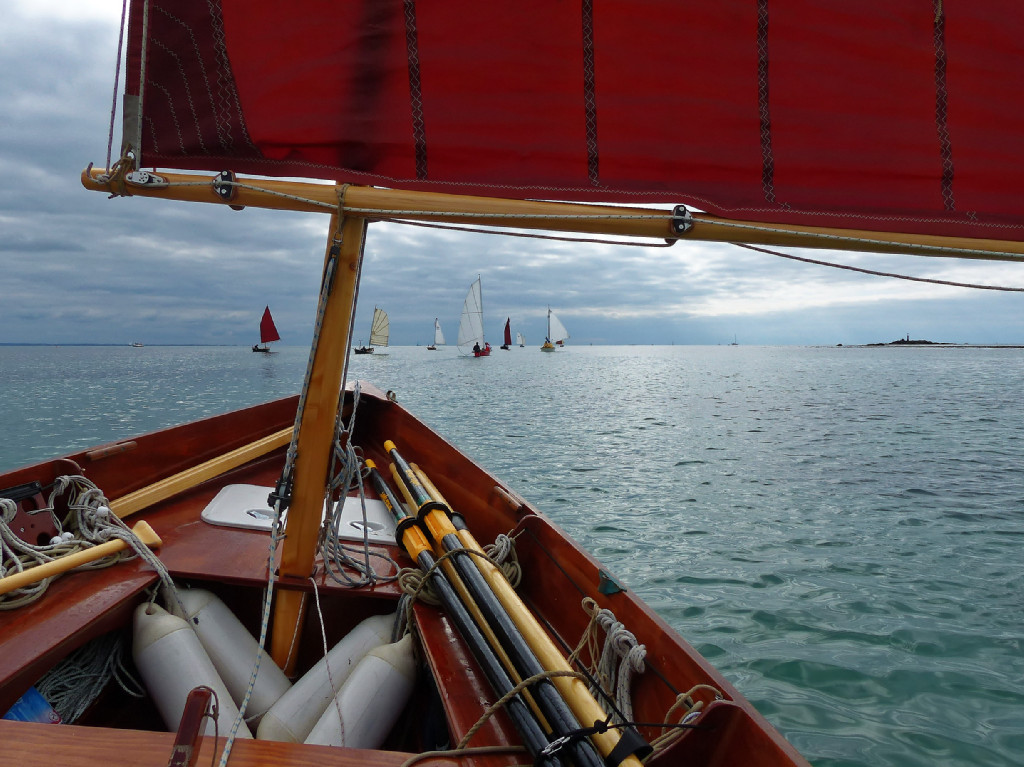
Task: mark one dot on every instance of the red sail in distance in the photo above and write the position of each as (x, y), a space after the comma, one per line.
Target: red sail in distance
(268, 331)
(508, 332)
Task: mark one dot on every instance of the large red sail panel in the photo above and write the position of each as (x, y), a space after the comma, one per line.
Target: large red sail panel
(268, 330)
(903, 116)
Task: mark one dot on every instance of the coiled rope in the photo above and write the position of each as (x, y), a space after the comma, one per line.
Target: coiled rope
(75, 682)
(87, 523)
(613, 665)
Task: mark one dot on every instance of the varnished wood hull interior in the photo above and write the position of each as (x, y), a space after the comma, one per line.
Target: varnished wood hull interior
(558, 574)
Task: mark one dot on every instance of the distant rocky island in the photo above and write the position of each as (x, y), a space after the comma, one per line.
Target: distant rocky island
(907, 340)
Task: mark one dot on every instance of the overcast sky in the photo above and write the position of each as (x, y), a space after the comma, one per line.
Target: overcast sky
(79, 268)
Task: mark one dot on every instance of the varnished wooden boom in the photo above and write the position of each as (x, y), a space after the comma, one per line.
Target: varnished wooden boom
(375, 203)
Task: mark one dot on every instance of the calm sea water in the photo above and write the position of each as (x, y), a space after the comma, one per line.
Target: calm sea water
(838, 530)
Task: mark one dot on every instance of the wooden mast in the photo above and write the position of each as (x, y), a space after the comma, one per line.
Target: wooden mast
(374, 203)
(316, 435)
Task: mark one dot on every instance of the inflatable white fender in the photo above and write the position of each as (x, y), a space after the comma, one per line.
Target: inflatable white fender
(371, 699)
(293, 716)
(172, 661)
(233, 651)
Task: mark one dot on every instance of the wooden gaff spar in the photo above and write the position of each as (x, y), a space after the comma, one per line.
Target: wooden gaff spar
(372, 203)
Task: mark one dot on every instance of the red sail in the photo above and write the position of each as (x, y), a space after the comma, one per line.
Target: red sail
(268, 331)
(508, 332)
(900, 116)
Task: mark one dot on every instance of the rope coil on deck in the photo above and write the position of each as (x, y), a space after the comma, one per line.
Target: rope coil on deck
(87, 523)
(76, 681)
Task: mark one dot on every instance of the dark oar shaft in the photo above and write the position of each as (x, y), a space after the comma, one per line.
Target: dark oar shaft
(418, 549)
(554, 707)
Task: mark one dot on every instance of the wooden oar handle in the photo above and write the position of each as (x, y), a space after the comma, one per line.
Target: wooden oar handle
(142, 530)
(184, 480)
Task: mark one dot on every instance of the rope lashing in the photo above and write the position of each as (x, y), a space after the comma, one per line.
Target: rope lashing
(620, 656)
(503, 553)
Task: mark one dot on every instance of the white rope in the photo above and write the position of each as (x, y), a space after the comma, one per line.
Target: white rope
(503, 553)
(75, 682)
(277, 529)
(621, 656)
(327, 665)
(117, 79)
(87, 523)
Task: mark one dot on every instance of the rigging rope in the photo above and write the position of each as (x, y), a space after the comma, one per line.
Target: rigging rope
(345, 474)
(117, 78)
(281, 496)
(875, 273)
(531, 236)
(612, 667)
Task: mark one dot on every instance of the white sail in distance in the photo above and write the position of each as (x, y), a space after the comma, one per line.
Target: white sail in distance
(471, 325)
(556, 330)
(380, 329)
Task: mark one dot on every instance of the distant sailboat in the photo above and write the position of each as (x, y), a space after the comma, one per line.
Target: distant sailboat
(471, 324)
(520, 340)
(438, 336)
(268, 333)
(379, 331)
(508, 334)
(556, 333)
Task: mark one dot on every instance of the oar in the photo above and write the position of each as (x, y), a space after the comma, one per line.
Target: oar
(416, 546)
(573, 689)
(435, 516)
(142, 530)
(165, 488)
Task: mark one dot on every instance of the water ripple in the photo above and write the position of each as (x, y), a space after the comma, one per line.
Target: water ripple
(837, 530)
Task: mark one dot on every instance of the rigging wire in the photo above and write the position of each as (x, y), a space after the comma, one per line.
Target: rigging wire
(670, 243)
(117, 80)
(877, 273)
(527, 235)
(395, 216)
(953, 252)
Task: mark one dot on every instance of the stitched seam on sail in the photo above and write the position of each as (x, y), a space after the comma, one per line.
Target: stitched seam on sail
(589, 93)
(415, 90)
(941, 107)
(767, 158)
